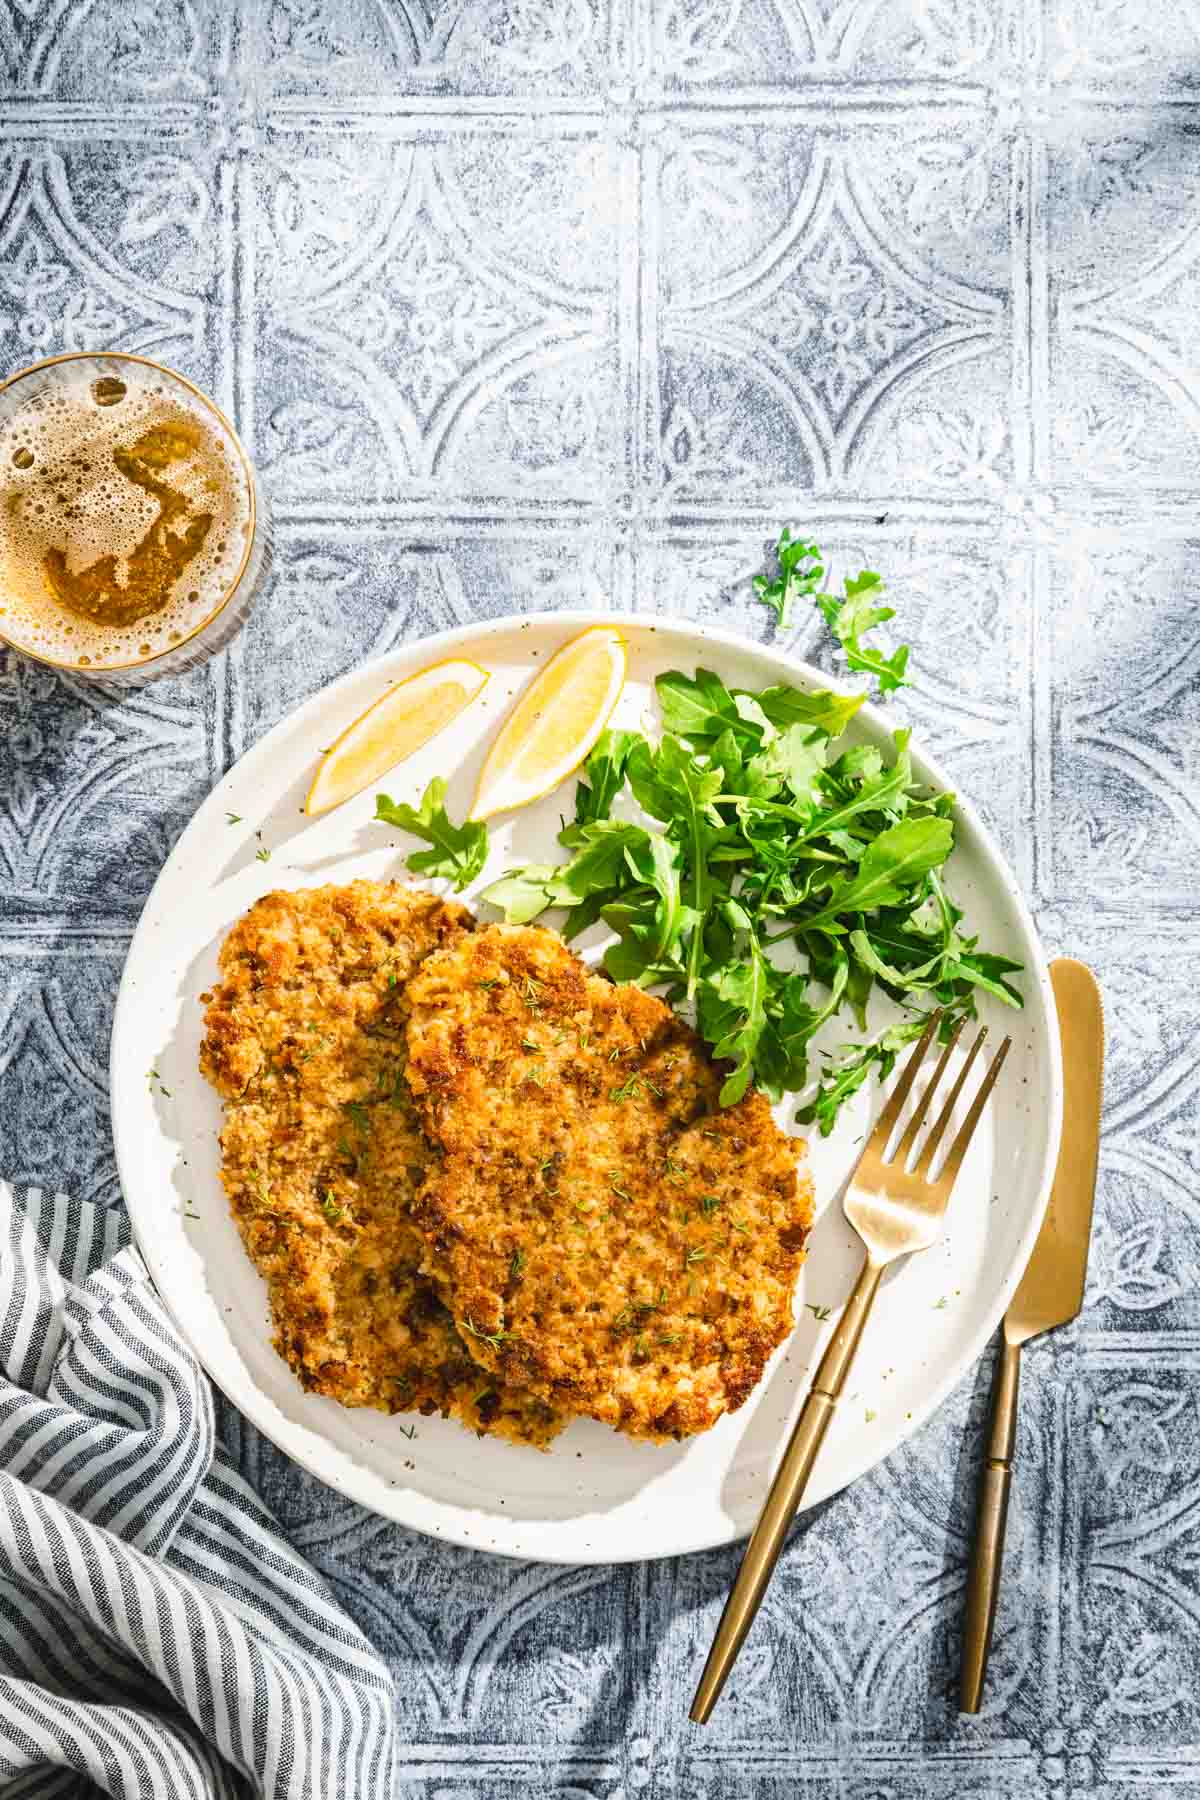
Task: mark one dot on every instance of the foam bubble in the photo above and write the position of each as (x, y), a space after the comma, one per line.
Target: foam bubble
(63, 494)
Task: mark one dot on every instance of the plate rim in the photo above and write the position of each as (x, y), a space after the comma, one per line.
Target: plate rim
(257, 1404)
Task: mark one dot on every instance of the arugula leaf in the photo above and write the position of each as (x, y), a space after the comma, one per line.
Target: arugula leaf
(885, 791)
(733, 1016)
(800, 572)
(987, 972)
(602, 859)
(912, 980)
(700, 707)
(824, 711)
(728, 753)
(650, 933)
(782, 1061)
(459, 851)
(657, 862)
(751, 713)
(599, 868)
(798, 755)
(524, 893)
(844, 1077)
(584, 914)
(859, 983)
(862, 762)
(896, 859)
(651, 794)
(692, 790)
(858, 613)
(603, 776)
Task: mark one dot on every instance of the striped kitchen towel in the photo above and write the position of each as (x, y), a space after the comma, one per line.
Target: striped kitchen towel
(159, 1638)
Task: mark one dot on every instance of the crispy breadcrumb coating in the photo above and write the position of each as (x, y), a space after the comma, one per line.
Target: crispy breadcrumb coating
(605, 1235)
(305, 1042)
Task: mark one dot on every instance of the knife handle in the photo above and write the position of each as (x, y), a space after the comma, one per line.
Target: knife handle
(991, 1521)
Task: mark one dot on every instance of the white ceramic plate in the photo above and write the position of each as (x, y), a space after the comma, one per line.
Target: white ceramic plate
(594, 1497)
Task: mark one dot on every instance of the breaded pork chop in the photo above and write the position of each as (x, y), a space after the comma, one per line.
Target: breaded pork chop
(322, 1150)
(603, 1232)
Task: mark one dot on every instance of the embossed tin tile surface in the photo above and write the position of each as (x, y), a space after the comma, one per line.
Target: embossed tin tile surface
(532, 303)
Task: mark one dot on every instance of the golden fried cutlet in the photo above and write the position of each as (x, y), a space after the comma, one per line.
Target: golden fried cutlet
(305, 1042)
(604, 1234)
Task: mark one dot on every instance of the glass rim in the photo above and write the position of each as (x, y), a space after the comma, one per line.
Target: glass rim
(148, 362)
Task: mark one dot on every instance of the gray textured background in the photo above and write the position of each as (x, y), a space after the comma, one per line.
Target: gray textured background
(522, 303)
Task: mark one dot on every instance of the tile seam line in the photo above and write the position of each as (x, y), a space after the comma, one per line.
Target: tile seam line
(683, 516)
(642, 99)
(871, 1757)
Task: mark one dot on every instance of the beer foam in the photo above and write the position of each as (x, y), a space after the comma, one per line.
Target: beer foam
(65, 503)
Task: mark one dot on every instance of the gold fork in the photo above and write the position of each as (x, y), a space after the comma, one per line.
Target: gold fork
(895, 1211)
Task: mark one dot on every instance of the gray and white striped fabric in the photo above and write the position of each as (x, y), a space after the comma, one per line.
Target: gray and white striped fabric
(159, 1639)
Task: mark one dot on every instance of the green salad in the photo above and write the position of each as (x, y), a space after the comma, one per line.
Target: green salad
(772, 876)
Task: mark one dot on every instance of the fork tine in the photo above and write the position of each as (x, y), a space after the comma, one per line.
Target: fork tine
(958, 1149)
(929, 1148)
(904, 1147)
(878, 1139)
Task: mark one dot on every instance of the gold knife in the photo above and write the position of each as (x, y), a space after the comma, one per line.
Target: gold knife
(1050, 1294)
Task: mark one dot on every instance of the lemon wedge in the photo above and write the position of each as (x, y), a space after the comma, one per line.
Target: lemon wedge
(555, 722)
(398, 723)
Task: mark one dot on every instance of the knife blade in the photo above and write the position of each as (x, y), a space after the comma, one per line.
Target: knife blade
(1050, 1293)
(1051, 1289)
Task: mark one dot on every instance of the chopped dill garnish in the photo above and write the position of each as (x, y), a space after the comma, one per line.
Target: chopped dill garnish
(359, 1117)
(494, 1338)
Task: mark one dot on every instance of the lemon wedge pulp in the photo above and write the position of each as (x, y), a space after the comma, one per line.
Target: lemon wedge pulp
(554, 723)
(396, 725)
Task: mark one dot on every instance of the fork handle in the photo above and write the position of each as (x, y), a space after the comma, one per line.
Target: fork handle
(991, 1523)
(787, 1491)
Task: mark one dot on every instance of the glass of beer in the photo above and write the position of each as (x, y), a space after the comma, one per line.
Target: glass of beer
(132, 538)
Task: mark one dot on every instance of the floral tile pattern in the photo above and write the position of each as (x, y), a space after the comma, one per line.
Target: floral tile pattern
(449, 325)
(535, 304)
(385, 47)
